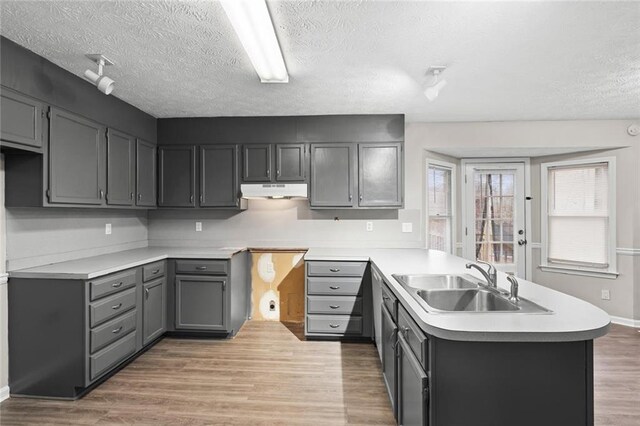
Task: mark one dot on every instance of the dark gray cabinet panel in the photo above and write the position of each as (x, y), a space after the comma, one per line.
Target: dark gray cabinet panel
(21, 120)
(290, 162)
(413, 390)
(256, 162)
(219, 176)
(201, 303)
(332, 176)
(380, 175)
(76, 159)
(177, 170)
(154, 307)
(120, 168)
(145, 174)
(388, 342)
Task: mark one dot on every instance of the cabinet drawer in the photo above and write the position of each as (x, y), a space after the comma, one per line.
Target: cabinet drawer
(414, 336)
(110, 284)
(113, 306)
(339, 269)
(112, 330)
(348, 305)
(112, 355)
(209, 267)
(334, 286)
(389, 300)
(334, 324)
(152, 271)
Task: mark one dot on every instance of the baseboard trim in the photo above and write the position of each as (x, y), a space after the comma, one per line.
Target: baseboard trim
(4, 393)
(625, 321)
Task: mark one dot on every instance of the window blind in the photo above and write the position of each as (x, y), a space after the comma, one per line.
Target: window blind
(439, 203)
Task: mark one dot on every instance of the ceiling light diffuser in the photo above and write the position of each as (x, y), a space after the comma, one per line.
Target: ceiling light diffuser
(252, 23)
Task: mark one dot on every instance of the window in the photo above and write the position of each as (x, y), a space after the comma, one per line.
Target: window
(579, 216)
(440, 184)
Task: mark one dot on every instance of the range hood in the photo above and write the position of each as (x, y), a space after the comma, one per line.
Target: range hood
(274, 190)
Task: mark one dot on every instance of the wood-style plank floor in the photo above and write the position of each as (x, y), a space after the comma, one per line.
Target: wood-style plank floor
(267, 375)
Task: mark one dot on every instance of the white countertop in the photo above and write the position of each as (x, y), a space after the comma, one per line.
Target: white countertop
(572, 319)
(92, 267)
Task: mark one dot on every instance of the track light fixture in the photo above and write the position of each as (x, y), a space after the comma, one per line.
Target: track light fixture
(433, 90)
(102, 82)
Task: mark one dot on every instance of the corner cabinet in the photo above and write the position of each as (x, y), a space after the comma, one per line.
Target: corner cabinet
(274, 163)
(201, 303)
(21, 121)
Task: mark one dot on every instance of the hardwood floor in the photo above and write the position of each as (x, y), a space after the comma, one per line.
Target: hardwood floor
(267, 375)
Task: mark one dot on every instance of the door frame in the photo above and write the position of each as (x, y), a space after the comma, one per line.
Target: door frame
(527, 202)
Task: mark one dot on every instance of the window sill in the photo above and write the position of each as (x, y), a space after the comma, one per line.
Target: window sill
(574, 271)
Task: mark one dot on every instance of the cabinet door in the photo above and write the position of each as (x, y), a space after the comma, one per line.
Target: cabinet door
(376, 297)
(177, 167)
(332, 175)
(201, 303)
(256, 165)
(145, 174)
(76, 159)
(21, 119)
(153, 309)
(219, 176)
(413, 397)
(380, 175)
(120, 168)
(290, 161)
(389, 336)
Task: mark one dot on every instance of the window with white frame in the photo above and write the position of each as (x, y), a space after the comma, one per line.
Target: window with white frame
(579, 215)
(440, 219)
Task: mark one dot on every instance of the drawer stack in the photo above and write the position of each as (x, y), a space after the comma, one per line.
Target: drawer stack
(335, 299)
(112, 321)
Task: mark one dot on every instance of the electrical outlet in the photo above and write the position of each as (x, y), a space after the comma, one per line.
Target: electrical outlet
(369, 226)
(606, 295)
(107, 229)
(198, 226)
(407, 227)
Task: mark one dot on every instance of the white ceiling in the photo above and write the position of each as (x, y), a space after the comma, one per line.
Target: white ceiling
(507, 60)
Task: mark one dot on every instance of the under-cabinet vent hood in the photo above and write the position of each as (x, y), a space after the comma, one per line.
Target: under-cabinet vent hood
(274, 190)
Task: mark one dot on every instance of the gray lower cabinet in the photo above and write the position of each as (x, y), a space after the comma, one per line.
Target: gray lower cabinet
(380, 175)
(121, 168)
(332, 175)
(177, 172)
(76, 159)
(20, 121)
(388, 343)
(219, 186)
(201, 303)
(256, 163)
(145, 174)
(154, 308)
(413, 388)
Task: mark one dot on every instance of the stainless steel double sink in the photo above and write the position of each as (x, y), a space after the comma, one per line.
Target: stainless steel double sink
(463, 294)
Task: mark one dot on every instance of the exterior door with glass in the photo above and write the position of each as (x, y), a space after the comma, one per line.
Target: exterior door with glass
(494, 217)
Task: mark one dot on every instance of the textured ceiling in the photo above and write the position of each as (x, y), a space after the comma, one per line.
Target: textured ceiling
(507, 60)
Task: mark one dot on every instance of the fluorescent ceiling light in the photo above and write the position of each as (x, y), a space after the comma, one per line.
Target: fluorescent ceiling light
(252, 23)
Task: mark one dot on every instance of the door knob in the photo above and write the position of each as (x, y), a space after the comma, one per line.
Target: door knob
(522, 242)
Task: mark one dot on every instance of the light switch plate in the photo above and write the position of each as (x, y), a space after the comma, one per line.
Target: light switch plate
(198, 226)
(606, 295)
(369, 226)
(407, 227)
(107, 229)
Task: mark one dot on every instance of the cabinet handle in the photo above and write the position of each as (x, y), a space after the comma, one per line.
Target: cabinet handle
(139, 196)
(334, 325)
(117, 330)
(201, 198)
(201, 268)
(334, 306)
(116, 285)
(278, 172)
(101, 194)
(116, 307)
(191, 199)
(146, 293)
(334, 269)
(350, 197)
(334, 287)
(155, 271)
(131, 196)
(405, 331)
(386, 298)
(360, 197)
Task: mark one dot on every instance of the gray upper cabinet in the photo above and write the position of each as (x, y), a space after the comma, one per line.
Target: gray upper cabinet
(20, 121)
(120, 168)
(219, 176)
(290, 162)
(413, 396)
(145, 174)
(177, 171)
(76, 159)
(332, 175)
(201, 303)
(380, 175)
(256, 161)
(154, 307)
